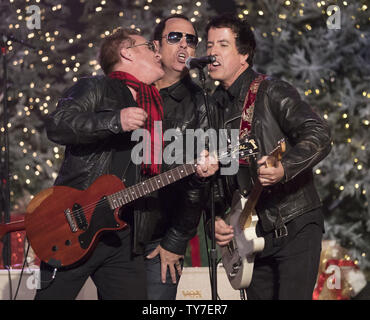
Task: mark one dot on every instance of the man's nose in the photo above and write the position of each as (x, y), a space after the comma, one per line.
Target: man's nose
(183, 43)
(212, 51)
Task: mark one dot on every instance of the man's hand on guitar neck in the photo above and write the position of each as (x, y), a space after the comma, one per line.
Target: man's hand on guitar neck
(207, 165)
(223, 232)
(269, 175)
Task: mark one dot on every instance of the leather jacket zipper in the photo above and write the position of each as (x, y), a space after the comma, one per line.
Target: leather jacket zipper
(228, 182)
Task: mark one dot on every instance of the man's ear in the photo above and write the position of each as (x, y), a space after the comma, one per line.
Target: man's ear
(243, 59)
(157, 45)
(126, 54)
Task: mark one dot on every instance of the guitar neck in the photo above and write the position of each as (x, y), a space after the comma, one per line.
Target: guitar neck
(250, 204)
(150, 185)
(255, 194)
(253, 197)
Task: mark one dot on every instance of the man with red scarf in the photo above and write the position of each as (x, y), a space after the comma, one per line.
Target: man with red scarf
(94, 120)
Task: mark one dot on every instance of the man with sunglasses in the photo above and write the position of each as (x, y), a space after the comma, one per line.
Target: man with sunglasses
(183, 108)
(94, 120)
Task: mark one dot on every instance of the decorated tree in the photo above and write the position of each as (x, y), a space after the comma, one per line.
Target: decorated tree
(321, 47)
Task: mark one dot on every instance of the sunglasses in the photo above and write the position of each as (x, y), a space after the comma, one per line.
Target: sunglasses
(175, 37)
(149, 44)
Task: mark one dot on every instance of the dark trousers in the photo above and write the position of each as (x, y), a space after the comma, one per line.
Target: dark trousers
(156, 289)
(290, 272)
(116, 273)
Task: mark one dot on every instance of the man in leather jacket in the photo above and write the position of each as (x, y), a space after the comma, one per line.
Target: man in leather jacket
(95, 120)
(290, 219)
(184, 109)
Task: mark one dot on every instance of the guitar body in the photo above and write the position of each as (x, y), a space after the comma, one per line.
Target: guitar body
(62, 223)
(238, 255)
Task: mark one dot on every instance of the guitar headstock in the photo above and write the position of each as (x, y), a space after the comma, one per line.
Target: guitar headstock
(246, 148)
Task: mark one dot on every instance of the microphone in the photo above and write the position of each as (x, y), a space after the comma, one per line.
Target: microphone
(200, 62)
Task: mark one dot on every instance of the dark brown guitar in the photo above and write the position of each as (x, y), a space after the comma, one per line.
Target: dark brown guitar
(62, 223)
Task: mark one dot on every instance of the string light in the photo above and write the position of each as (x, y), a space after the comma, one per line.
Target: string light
(74, 66)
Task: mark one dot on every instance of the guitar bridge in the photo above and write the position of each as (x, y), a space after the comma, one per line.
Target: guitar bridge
(70, 220)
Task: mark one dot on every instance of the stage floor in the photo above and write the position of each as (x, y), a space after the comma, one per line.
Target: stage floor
(194, 285)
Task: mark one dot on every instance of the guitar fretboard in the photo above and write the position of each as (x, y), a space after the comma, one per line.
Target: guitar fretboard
(120, 198)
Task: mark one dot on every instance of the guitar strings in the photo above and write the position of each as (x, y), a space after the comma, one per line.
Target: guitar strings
(104, 201)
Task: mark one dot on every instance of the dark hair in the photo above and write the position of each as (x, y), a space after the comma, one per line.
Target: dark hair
(245, 41)
(158, 31)
(111, 45)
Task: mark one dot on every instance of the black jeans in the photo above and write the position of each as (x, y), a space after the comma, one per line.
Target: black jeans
(115, 272)
(156, 289)
(290, 272)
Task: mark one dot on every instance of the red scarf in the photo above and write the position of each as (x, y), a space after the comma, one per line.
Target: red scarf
(150, 100)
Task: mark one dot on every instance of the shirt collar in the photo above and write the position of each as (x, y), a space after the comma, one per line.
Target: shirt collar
(178, 90)
(224, 96)
(246, 77)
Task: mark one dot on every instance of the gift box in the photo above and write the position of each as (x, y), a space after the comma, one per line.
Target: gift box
(339, 277)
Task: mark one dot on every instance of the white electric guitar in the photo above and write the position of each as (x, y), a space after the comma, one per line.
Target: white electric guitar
(238, 256)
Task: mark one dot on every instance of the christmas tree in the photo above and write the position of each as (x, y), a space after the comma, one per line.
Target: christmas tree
(321, 47)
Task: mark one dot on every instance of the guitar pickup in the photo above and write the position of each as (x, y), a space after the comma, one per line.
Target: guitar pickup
(80, 217)
(237, 265)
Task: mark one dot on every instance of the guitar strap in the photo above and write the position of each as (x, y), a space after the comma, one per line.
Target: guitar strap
(245, 129)
(247, 98)
(248, 109)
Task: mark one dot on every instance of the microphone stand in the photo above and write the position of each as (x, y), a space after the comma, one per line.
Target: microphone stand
(4, 162)
(213, 251)
(5, 189)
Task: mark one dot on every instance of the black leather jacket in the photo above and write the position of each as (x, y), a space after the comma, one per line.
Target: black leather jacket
(184, 109)
(279, 113)
(87, 122)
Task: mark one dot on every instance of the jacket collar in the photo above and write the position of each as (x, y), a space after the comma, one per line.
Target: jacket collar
(119, 89)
